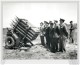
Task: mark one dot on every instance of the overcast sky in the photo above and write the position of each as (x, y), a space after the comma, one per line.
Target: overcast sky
(38, 12)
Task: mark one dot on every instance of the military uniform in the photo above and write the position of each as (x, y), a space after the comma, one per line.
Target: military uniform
(63, 35)
(56, 27)
(54, 39)
(47, 37)
(42, 35)
(71, 32)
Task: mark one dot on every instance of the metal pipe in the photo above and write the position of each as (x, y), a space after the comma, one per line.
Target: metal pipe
(25, 30)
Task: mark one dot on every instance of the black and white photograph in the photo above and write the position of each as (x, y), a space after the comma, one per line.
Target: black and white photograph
(40, 30)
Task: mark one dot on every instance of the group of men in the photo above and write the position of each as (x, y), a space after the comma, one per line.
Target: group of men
(55, 35)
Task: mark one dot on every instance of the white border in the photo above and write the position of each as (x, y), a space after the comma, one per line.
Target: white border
(75, 62)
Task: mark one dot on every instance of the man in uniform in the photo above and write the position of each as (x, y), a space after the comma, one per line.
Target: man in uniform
(52, 40)
(45, 24)
(42, 33)
(71, 32)
(63, 35)
(56, 27)
(53, 34)
(46, 29)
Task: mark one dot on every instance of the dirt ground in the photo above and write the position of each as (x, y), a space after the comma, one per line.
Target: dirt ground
(40, 52)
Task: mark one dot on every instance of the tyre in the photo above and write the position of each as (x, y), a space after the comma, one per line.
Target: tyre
(9, 42)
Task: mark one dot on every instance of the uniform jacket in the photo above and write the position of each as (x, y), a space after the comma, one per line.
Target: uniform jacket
(47, 32)
(54, 32)
(63, 30)
(42, 31)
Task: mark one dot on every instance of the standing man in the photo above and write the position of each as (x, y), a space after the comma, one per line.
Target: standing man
(56, 27)
(63, 35)
(47, 35)
(52, 39)
(71, 32)
(42, 33)
(53, 33)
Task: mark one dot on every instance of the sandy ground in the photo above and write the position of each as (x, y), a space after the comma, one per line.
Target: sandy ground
(40, 52)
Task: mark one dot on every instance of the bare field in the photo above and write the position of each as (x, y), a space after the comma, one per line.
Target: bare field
(39, 52)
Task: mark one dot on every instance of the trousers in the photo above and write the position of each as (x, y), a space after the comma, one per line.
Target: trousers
(42, 40)
(62, 43)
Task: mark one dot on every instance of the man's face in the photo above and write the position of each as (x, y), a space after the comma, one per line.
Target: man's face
(45, 22)
(55, 22)
(71, 23)
(61, 22)
(50, 21)
(41, 24)
(51, 26)
(47, 25)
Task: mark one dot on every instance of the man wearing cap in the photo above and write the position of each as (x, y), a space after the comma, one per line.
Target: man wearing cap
(63, 35)
(42, 33)
(52, 39)
(46, 29)
(71, 32)
(50, 22)
(45, 23)
(56, 27)
(53, 33)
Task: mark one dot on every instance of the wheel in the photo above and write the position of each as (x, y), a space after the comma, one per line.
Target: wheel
(9, 42)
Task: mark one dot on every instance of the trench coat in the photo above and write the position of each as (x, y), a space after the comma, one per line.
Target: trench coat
(63, 37)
